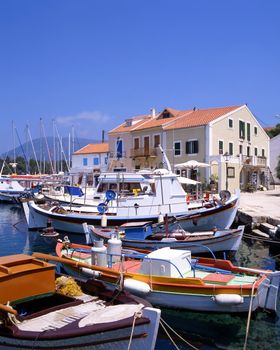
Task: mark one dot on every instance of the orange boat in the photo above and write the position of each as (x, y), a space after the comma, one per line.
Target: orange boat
(172, 278)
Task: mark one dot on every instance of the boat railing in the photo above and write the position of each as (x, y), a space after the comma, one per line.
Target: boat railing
(134, 254)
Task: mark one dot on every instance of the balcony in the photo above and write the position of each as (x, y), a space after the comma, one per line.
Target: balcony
(116, 155)
(143, 152)
(253, 160)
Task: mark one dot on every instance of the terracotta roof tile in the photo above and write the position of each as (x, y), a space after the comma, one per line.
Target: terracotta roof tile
(94, 148)
(135, 122)
(199, 117)
(177, 119)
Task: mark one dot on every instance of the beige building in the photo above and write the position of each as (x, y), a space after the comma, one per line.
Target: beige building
(229, 139)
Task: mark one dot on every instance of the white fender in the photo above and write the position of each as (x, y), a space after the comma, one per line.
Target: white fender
(136, 287)
(228, 299)
(90, 272)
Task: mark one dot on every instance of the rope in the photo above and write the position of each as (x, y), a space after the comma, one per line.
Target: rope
(169, 336)
(136, 315)
(249, 316)
(178, 335)
(266, 240)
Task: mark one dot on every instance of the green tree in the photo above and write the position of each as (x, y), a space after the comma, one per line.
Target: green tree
(274, 131)
(278, 169)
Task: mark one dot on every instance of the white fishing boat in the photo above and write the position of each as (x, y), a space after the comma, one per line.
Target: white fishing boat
(122, 198)
(11, 190)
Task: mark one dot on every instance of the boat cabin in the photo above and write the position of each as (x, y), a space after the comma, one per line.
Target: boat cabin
(22, 276)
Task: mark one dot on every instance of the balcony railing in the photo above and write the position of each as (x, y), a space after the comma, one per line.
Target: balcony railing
(253, 160)
(117, 155)
(143, 152)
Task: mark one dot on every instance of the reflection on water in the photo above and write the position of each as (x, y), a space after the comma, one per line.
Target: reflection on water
(204, 331)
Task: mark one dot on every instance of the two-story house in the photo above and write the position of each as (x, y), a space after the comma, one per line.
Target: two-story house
(229, 139)
(88, 162)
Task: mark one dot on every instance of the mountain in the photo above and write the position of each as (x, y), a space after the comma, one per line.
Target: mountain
(41, 147)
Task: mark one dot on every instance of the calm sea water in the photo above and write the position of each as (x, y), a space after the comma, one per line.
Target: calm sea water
(203, 331)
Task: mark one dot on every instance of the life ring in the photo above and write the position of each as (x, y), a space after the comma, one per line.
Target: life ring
(102, 208)
(110, 195)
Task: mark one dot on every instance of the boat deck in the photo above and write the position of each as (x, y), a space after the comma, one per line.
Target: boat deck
(209, 278)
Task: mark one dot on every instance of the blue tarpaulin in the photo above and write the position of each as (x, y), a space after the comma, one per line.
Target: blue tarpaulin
(73, 191)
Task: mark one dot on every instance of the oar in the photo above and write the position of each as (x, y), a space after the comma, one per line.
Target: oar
(9, 309)
(105, 271)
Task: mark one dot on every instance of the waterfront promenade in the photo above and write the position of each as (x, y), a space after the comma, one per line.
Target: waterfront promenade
(261, 206)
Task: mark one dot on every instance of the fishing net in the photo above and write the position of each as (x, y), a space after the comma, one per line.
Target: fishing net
(67, 286)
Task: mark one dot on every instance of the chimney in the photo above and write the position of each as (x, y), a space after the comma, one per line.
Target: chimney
(103, 136)
(153, 112)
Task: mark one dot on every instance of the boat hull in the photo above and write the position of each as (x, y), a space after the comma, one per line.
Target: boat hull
(144, 337)
(221, 216)
(227, 242)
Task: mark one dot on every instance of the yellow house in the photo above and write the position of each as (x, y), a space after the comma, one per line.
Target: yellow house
(229, 139)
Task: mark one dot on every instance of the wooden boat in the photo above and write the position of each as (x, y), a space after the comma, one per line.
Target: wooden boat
(34, 315)
(172, 278)
(143, 235)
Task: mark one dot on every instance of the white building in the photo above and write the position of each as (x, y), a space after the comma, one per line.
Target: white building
(274, 156)
(88, 162)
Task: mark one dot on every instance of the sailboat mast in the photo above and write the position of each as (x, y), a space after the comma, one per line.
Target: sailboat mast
(54, 148)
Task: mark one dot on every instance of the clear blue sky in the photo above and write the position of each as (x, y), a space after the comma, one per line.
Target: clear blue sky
(92, 63)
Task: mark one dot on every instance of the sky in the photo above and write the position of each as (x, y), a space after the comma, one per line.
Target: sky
(87, 65)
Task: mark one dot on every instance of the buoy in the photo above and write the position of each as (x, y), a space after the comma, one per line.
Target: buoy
(228, 299)
(90, 272)
(98, 254)
(136, 287)
(104, 220)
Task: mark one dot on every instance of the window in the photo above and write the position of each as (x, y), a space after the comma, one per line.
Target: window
(85, 161)
(177, 148)
(263, 153)
(96, 161)
(230, 148)
(165, 115)
(230, 123)
(146, 141)
(248, 132)
(106, 160)
(241, 129)
(255, 151)
(255, 130)
(136, 143)
(240, 149)
(156, 140)
(192, 147)
(119, 147)
(221, 147)
(248, 151)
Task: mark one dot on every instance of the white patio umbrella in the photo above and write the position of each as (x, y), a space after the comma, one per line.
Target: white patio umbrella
(192, 164)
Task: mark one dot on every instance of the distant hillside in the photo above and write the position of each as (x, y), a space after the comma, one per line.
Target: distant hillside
(41, 149)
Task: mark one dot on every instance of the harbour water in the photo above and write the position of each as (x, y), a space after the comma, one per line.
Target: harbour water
(202, 331)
